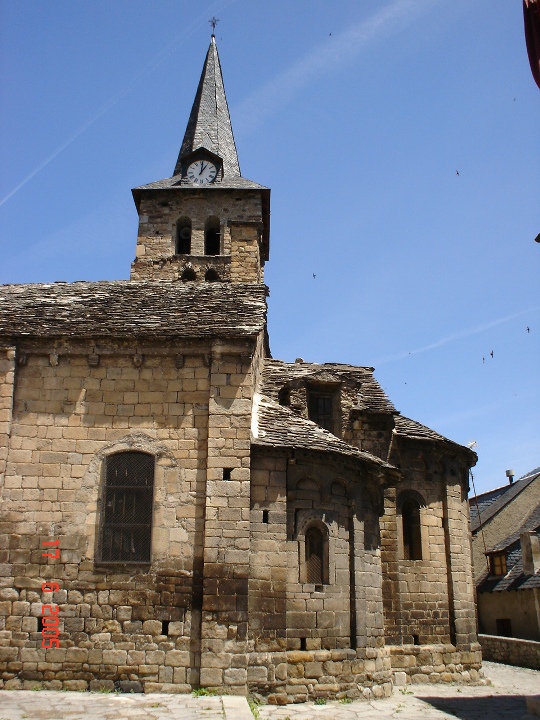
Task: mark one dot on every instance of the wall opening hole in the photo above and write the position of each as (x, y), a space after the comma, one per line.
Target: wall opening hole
(40, 624)
(318, 588)
(303, 645)
(265, 516)
(165, 627)
(189, 274)
(416, 640)
(227, 473)
(284, 396)
(211, 276)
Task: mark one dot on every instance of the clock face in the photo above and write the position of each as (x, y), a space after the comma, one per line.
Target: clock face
(201, 172)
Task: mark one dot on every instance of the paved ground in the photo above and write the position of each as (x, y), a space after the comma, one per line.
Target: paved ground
(505, 699)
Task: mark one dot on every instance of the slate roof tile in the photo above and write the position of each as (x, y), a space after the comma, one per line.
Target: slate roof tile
(125, 308)
(371, 396)
(278, 426)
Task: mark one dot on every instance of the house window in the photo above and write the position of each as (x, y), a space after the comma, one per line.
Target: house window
(314, 556)
(183, 236)
(412, 529)
(212, 236)
(127, 508)
(321, 408)
(497, 564)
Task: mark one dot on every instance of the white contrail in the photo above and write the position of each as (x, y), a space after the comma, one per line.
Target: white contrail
(456, 336)
(336, 51)
(152, 65)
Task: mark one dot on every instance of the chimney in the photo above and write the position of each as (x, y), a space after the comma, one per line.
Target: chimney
(530, 552)
(510, 475)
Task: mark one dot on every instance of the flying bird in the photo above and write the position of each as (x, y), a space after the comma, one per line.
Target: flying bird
(528, 329)
(483, 360)
(491, 353)
(457, 173)
(314, 275)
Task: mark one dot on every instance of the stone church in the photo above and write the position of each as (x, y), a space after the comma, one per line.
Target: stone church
(180, 510)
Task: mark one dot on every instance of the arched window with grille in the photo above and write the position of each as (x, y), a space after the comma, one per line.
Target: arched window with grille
(412, 528)
(315, 556)
(127, 508)
(212, 236)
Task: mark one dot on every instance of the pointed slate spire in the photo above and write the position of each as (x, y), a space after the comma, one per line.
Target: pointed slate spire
(209, 125)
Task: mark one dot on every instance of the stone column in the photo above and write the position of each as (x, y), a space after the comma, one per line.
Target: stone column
(7, 389)
(458, 553)
(227, 527)
(367, 581)
(390, 570)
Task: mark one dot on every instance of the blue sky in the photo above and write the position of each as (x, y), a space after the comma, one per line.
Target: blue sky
(359, 115)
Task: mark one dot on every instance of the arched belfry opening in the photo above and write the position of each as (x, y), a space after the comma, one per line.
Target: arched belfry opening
(183, 236)
(212, 236)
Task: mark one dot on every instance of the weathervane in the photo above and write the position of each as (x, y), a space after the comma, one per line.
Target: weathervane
(213, 22)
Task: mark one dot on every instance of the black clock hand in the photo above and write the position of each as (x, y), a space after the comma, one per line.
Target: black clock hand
(202, 167)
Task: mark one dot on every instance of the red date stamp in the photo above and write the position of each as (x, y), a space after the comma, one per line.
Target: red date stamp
(49, 611)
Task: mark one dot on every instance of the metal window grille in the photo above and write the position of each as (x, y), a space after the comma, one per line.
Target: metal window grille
(127, 508)
(320, 409)
(314, 556)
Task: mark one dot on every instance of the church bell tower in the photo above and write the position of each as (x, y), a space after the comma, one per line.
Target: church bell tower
(206, 223)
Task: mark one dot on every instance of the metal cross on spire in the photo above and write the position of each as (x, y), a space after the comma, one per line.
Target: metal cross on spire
(213, 22)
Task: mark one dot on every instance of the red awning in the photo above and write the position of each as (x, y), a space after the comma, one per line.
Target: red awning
(531, 16)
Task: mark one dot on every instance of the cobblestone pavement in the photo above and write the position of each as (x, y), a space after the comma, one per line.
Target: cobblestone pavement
(505, 699)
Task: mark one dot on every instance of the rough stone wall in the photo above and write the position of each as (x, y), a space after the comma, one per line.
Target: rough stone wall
(511, 651)
(371, 432)
(436, 663)
(268, 557)
(227, 525)
(158, 215)
(320, 614)
(429, 600)
(73, 409)
(245, 253)
(346, 610)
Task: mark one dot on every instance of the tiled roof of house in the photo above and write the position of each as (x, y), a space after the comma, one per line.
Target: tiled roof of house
(371, 396)
(125, 308)
(494, 501)
(413, 430)
(278, 426)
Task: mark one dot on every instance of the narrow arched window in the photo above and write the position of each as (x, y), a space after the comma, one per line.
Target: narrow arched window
(126, 517)
(412, 529)
(211, 275)
(212, 236)
(314, 556)
(183, 236)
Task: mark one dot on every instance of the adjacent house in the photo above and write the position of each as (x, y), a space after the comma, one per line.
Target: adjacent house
(505, 526)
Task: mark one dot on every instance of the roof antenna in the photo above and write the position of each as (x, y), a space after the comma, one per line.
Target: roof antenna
(213, 22)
